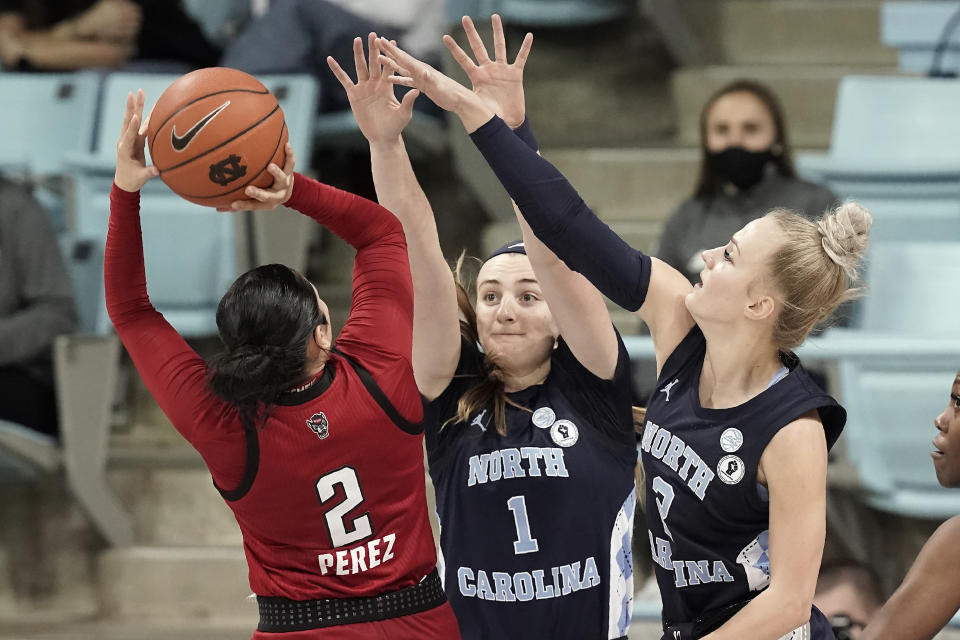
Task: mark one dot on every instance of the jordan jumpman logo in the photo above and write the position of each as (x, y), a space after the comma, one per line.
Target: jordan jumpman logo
(667, 389)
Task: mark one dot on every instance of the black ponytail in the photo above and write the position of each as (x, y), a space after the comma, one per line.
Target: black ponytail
(265, 319)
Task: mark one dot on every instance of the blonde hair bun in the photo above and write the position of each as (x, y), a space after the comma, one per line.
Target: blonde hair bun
(845, 234)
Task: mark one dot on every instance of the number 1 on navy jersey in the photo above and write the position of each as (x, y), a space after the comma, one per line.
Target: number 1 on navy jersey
(525, 543)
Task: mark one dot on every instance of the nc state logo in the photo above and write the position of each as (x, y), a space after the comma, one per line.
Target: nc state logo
(319, 425)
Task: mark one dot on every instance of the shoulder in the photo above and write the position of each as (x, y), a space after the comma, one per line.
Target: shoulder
(946, 540)
(468, 372)
(797, 396)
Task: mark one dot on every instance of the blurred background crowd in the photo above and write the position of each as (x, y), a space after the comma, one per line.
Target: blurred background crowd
(678, 120)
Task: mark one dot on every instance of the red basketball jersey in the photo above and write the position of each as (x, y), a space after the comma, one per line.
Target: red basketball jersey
(338, 506)
(329, 492)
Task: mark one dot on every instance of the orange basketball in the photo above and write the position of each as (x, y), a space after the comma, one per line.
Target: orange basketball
(213, 132)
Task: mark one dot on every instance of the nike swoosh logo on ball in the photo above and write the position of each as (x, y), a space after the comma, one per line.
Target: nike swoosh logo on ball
(179, 143)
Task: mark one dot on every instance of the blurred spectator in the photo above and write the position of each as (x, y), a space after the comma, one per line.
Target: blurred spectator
(36, 305)
(930, 594)
(421, 23)
(746, 169)
(848, 593)
(311, 30)
(64, 35)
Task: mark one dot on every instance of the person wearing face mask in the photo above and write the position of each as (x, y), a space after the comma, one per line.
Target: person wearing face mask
(746, 169)
(528, 417)
(930, 594)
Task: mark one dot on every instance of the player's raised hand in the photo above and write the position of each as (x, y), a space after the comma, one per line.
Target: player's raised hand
(132, 170)
(276, 195)
(379, 114)
(498, 82)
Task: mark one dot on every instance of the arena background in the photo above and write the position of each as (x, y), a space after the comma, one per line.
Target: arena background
(614, 90)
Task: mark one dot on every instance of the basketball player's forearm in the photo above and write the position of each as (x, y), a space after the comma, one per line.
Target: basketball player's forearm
(560, 218)
(125, 280)
(436, 330)
(769, 616)
(356, 220)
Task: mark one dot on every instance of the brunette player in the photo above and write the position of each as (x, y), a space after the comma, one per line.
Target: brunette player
(529, 424)
(316, 447)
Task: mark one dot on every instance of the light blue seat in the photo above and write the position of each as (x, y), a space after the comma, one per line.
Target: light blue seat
(908, 285)
(562, 13)
(891, 404)
(541, 13)
(892, 149)
(916, 29)
(43, 116)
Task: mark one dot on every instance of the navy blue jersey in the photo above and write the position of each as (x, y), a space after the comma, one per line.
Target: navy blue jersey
(708, 518)
(536, 525)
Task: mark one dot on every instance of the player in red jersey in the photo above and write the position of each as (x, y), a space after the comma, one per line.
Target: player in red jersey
(317, 448)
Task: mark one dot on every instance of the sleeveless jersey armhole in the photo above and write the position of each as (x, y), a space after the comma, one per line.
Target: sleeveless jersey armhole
(380, 397)
(251, 466)
(440, 439)
(691, 345)
(615, 394)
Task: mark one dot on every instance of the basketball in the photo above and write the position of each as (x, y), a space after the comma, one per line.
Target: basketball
(213, 132)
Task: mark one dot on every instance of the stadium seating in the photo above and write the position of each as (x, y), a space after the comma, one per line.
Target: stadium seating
(43, 116)
(541, 13)
(908, 289)
(892, 149)
(891, 404)
(917, 30)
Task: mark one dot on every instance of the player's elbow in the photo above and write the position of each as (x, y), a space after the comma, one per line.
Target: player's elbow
(795, 610)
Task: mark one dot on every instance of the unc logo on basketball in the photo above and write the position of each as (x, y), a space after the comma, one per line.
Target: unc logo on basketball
(227, 170)
(319, 425)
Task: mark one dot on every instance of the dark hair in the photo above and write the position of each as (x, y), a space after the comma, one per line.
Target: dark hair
(709, 183)
(264, 320)
(490, 389)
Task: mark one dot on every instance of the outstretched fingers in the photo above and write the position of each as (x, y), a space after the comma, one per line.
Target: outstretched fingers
(406, 103)
(476, 43)
(339, 73)
(399, 74)
(359, 61)
(373, 62)
(396, 54)
(459, 55)
(499, 41)
(524, 52)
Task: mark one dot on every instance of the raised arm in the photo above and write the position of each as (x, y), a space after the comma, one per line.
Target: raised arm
(556, 212)
(575, 304)
(381, 117)
(174, 374)
(930, 594)
(794, 466)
